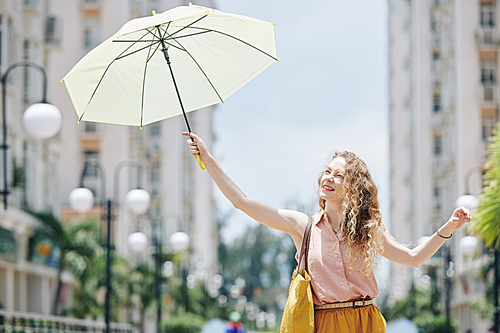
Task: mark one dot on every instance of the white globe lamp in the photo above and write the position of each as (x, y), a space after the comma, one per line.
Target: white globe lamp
(137, 242)
(42, 120)
(468, 201)
(81, 199)
(179, 241)
(468, 245)
(138, 201)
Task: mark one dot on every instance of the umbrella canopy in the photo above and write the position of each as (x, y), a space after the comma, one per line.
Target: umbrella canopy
(158, 67)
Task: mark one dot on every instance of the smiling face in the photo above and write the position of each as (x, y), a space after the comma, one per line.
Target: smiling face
(332, 182)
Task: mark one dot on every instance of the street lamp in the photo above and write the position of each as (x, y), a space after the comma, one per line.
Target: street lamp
(180, 243)
(137, 242)
(137, 201)
(41, 120)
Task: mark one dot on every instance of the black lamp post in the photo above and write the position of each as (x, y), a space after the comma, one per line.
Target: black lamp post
(81, 200)
(42, 120)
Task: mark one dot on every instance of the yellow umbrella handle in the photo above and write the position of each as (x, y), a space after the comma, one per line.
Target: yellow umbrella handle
(200, 163)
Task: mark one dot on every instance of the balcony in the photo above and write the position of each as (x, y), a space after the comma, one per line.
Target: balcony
(91, 7)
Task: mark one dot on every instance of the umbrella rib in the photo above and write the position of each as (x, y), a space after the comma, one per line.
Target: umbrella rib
(157, 46)
(102, 77)
(132, 41)
(138, 50)
(238, 39)
(197, 64)
(144, 79)
(193, 34)
(185, 27)
(201, 69)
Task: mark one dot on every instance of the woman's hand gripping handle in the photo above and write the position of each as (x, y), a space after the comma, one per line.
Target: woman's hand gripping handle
(194, 147)
(197, 147)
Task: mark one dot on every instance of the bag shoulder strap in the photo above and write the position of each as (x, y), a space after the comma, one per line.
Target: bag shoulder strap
(304, 249)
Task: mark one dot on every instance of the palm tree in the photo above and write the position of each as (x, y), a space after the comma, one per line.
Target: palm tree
(144, 285)
(487, 219)
(75, 239)
(88, 297)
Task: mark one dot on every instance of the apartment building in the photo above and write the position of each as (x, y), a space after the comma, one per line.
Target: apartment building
(443, 105)
(57, 34)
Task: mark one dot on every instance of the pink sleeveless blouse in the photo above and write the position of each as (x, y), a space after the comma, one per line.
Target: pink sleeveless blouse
(331, 279)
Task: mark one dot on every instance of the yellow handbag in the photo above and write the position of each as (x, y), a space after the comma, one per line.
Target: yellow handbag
(298, 315)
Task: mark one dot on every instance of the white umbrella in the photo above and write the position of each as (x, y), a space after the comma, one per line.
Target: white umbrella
(167, 64)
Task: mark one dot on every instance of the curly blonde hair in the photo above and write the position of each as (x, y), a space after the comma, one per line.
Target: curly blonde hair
(361, 225)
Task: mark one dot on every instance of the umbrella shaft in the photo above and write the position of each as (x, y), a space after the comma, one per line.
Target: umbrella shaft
(167, 58)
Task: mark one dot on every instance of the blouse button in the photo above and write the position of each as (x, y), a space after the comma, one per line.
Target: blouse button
(339, 260)
(342, 279)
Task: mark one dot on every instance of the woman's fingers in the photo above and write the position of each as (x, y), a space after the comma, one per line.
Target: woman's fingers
(193, 146)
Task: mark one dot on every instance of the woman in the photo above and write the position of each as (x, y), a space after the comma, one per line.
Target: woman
(346, 236)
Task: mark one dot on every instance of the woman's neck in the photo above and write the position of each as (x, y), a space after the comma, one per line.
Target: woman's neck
(334, 214)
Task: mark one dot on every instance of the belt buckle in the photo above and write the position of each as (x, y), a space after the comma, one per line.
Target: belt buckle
(363, 304)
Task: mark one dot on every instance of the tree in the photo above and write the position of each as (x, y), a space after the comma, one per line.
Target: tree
(486, 223)
(91, 274)
(76, 239)
(419, 306)
(144, 285)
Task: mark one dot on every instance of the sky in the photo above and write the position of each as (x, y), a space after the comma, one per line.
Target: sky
(327, 93)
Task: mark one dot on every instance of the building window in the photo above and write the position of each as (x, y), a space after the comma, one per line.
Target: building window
(436, 57)
(487, 15)
(92, 170)
(437, 192)
(155, 129)
(11, 43)
(90, 127)
(436, 103)
(434, 21)
(489, 124)
(155, 176)
(29, 84)
(488, 72)
(438, 145)
(91, 33)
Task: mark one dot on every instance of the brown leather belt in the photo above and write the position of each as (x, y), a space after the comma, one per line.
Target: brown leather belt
(352, 304)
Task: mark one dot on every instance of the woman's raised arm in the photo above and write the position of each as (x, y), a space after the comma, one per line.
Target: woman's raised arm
(417, 256)
(289, 221)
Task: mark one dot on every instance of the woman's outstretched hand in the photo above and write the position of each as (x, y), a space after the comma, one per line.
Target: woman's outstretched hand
(196, 145)
(459, 217)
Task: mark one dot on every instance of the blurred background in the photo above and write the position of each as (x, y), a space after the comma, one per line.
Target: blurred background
(409, 86)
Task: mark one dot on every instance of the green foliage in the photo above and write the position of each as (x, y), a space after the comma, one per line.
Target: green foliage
(77, 242)
(428, 323)
(199, 302)
(186, 323)
(263, 258)
(484, 307)
(89, 295)
(486, 220)
(418, 301)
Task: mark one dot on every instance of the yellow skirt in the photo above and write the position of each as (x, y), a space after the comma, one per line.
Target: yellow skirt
(349, 320)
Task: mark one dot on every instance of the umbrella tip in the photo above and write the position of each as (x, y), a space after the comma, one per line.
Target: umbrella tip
(154, 12)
